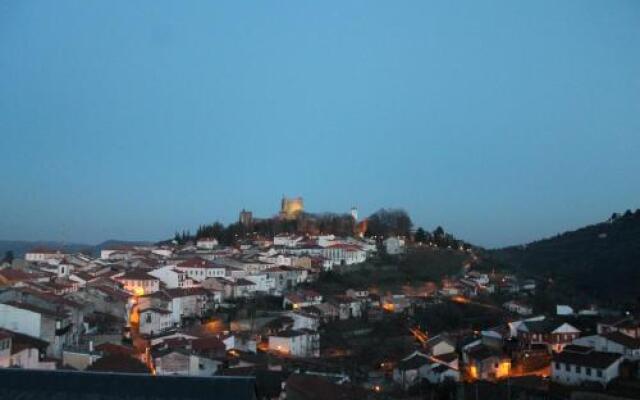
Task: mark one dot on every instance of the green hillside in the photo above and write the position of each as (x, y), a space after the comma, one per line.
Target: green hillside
(600, 261)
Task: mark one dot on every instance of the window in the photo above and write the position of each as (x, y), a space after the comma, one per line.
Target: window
(588, 371)
(558, 365)
(567, 367)
(578, 369)
(599, 372)
(148, 318)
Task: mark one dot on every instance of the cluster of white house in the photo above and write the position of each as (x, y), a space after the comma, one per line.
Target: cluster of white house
(52, 300)
(570, 358)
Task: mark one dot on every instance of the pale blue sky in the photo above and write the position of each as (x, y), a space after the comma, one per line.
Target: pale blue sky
(503, 121)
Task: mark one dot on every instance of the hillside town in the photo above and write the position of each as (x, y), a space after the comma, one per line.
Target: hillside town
(270, 308)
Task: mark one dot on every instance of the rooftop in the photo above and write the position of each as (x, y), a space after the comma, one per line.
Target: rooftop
(71, 385)
(593, 359)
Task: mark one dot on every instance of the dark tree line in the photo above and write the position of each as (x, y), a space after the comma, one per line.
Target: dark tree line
(439, 238)
(389, 222)
(8, 257)
(382, 223)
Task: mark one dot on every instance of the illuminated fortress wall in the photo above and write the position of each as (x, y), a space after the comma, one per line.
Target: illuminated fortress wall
(291, 207)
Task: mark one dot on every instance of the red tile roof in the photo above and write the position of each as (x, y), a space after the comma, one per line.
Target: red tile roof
(137, 275)
(35, 309)
(15, 275)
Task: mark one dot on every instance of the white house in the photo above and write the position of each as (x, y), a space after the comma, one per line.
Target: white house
(576, 365)
(23, 351)
(518, 307)
(479, 278)
(564, 310)
(262, 282)
(184, 362)
(138, 282)
(304, 320)
(154, 320)
(439, 373)
(440, 345)
(394, 245)
(297, 343)
(286, 240)
(52, 327)
(43, 255)
(206, 243)
(181, 303)
(172, 277)
(199, 269)
(344, 254)
(300, 299)
(326, 240)
(613, 342)
(555, 334)
(347, 306)
(411, 369)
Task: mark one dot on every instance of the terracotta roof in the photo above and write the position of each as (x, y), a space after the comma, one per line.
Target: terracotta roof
(184, 292)
(347, 247)
(622, 339)
(35, 309)
(112, 348)
(137, 275)
(13, 274)
(208, 344)
(156, 310)
(20, 341)
(592, 359)
(197, 262)
(44, 250)
(119, 363)
(116, 294)
(482, 352)
(416, 361)
(448, 357)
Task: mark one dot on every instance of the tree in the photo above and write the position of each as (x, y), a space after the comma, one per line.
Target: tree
(389, 222)
(420, 236)
(438, 232)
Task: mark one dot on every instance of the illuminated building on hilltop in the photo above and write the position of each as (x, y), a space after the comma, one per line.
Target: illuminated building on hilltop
(291, 208)
(246, 218)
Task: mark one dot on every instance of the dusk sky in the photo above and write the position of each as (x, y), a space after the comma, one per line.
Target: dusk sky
(502, 121)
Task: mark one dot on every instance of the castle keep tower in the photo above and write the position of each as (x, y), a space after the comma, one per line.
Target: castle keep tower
(291, 208)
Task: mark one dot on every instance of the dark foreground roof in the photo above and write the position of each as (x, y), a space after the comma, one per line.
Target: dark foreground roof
(68, 385)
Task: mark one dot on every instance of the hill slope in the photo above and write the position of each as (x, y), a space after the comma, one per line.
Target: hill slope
(599, 261)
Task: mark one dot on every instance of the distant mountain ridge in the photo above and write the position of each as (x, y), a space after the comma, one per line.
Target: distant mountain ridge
(600, 261)
(20, 247)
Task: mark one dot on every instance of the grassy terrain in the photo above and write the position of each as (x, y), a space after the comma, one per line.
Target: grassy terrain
(392, 274)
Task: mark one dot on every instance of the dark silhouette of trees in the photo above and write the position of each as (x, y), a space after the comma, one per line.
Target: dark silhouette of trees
(8, 257)
(420, 236)
(389, 222)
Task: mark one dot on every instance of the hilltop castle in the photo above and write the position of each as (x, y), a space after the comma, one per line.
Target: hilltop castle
(291, 208)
